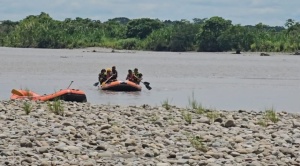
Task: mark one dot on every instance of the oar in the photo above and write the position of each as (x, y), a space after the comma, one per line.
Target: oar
(147, 84)
(96, 83)
(70, 84)
(107, 80)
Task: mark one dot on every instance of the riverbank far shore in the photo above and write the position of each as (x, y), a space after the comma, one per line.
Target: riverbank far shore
(86, 134)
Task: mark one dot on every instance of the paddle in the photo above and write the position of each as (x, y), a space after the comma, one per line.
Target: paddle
(145, 83)
(96, 83)
(70, 84)
(107, 80)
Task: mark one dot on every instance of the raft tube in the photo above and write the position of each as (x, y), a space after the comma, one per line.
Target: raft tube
(64, 94)
(121, 86)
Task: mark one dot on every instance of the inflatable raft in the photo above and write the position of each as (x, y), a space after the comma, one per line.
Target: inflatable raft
(121, 86)
(64, 94)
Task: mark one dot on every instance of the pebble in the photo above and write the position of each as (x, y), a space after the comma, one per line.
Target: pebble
(143, 135)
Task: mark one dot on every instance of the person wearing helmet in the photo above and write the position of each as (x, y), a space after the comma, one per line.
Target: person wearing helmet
(102, 76)
(137, 76)
(130, 76)
(108, 76)
(114, 73)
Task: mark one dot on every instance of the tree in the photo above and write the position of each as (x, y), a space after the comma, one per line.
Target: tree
(141, 28)
(114, 29)
(289, 23)
(211, 30)
(236, 37)
(121, 20)
(199, 20)
(183, 36)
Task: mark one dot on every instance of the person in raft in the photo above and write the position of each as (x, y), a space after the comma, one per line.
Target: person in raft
(102, 76)
(114, 74)
(130, 76)
(109, 75)
(137, 76)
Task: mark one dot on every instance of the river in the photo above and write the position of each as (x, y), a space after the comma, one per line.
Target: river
(222, 81)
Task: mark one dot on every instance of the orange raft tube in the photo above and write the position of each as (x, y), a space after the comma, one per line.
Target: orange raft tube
(121, 86)
(64, 94)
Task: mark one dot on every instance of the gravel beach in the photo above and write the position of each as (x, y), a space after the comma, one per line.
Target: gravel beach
(86, 134)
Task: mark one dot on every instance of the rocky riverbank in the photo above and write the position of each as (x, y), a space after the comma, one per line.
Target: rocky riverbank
(85, 134)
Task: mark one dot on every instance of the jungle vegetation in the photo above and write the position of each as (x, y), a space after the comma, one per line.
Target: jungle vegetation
(214, 34)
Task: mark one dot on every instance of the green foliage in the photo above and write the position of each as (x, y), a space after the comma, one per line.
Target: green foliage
(128, 44)
(56, 107)
(43, 32)
(187, 117)
(121, 20)
(183, 37)
(270, 114)
(212, 115)
(166, 104)
(211, 31)
(27, 107)
(141, 28)
(194, 104)
(159, 40)
(196, 142)
(236, 37)
(114, 29)
(200, 109)
(213, 34)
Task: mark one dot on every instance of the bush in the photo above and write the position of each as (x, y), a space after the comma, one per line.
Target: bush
(56, 107)
(128, 44)
(27, 107)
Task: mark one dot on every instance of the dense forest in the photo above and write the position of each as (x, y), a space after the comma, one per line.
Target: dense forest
(213, 34)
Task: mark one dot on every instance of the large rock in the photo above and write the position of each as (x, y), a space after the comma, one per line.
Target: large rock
(229, 123)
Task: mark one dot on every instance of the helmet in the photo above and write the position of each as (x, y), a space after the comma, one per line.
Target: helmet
(108, 69)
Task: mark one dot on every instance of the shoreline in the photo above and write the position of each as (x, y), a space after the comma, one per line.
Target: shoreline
(112, 50)
(88, 134)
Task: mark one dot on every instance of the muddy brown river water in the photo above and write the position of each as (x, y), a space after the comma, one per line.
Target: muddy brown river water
(217, 80)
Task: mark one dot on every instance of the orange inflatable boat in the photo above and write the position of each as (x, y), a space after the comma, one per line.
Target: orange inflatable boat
(64, 94)
(121, 86)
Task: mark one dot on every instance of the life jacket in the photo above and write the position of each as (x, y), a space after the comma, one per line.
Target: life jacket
(130, 77)
(137, 77)
(102, 77)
